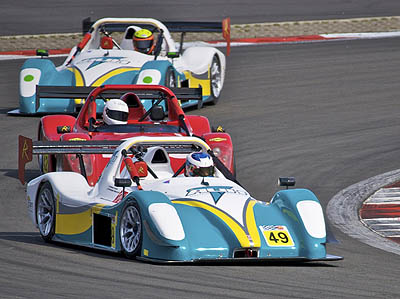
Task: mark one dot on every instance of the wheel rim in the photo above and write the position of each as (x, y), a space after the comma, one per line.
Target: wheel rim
(130, 229)
(45, 212)
(216, 83)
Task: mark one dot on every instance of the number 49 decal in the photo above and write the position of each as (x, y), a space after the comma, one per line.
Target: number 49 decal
(276, 235)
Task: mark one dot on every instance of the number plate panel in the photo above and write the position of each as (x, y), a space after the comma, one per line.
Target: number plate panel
(277, 235)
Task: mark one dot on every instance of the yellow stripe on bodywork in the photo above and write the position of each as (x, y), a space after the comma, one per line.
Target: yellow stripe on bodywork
(233, 225)
(79, 79)
(196, 82)
(251, 224)
(107, 76)
(78, 82)
(73, 224)
(78, 76)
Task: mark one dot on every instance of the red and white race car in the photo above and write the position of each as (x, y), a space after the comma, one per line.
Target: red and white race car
(164, 117)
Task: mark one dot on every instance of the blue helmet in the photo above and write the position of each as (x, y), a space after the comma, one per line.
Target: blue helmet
(199, 164)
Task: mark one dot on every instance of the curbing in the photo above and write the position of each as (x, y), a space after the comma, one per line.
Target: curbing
(343, 210)
(238, 31)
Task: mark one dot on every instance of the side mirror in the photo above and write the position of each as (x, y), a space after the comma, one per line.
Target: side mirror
(42, 53)
(286, 182)
(119, 182)
(173, 54)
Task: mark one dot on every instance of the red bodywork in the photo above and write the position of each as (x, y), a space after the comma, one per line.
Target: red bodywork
(52, 128)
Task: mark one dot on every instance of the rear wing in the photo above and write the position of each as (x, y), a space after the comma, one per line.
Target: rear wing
(27, 148)
(183, 27)
(78, 92)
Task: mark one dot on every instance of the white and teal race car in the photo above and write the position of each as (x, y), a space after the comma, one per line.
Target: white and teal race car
(102, 59)
(144, 207)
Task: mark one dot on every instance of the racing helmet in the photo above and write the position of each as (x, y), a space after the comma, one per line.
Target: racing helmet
(115, 112)
(199, 164)
(143, 41)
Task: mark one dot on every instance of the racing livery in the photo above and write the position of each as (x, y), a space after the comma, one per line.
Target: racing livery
(163, 117)
(144, 207)
(99, 59)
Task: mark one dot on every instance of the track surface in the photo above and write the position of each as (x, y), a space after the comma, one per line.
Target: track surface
(49, 16)
(326, 113)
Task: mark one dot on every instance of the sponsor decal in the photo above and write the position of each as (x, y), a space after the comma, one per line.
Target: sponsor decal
(276, 235)
(141, 170)
(113, 229)
(25, 151)
(100, 60)
(216, 192)
(218, 139)
(63, 129)
(120, 196)
(145, 252)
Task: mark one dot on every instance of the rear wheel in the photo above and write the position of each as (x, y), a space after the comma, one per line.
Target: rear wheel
(170, 80)
(131, 230)
(42, 159)
(215, 79)
(46, 212)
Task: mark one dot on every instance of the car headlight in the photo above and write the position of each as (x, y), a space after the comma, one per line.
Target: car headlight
(150, 77)
(28, 79)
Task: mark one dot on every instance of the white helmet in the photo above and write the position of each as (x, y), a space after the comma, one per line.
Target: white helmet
(199, 164)
(115, 112)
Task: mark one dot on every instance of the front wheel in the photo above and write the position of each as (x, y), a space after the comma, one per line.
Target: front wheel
(215, 79)
(131, 230)
(46, 212)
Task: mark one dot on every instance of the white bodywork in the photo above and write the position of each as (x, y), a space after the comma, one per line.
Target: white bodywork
(196, 60)
(72, 190)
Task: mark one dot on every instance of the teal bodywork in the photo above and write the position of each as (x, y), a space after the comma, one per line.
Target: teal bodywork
(50, 76)
(207, 236)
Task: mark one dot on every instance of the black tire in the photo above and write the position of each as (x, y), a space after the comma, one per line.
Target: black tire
(131, 230)
(215, 80)
(170, 79)
(41, 157)
(46, 212)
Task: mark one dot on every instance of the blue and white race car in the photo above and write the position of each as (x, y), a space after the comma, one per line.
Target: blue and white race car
(145, 53)
(165, 216)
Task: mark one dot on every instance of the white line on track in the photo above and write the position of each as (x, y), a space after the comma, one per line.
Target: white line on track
(326, 37)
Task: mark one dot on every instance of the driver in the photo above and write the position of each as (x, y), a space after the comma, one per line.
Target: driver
(115, 112)
(143, 41)
(199, 165)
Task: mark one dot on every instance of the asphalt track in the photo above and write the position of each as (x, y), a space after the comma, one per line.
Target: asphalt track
(326, 113)
(49, 16)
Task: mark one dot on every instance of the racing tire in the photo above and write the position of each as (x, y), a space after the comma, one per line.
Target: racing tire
(215, 80)
(41, 157)
(46, 212)
(170, 79)
(131, 231)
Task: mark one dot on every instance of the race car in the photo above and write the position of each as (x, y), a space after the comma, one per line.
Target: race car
(163, 117)
(138, 58)
(144, 207)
